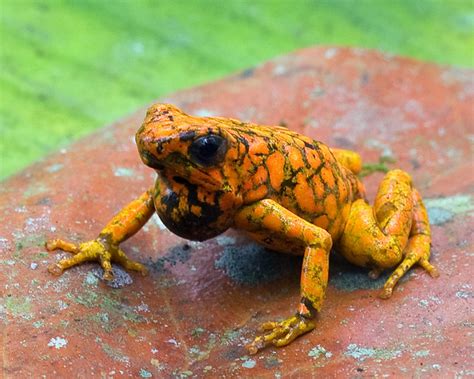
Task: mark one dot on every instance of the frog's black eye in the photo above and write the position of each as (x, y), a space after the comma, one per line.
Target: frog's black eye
(208, 150)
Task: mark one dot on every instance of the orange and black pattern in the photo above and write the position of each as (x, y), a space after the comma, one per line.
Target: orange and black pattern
(287, 191)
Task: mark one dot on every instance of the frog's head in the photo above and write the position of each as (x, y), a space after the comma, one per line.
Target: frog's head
(196, 149)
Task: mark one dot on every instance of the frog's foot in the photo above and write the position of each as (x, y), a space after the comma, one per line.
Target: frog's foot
(417, 251)
(280, 333)
(95, 250)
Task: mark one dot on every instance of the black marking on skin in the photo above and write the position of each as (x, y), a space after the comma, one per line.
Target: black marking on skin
(311, 146)
(243, 141)
(187, 136)
(183, 222)
(311, 309)
(160, 144)
(150, 160)
(170, 201)
(316, 171)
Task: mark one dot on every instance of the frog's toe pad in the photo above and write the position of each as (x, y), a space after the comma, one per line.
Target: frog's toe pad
(55, 269)
(280, 333)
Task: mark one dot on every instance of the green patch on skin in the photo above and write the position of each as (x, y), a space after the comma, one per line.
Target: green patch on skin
(362, 353)
(19, 307)
(443, 209)
(252, 264)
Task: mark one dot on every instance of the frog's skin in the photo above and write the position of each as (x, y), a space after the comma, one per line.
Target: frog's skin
(287, 191)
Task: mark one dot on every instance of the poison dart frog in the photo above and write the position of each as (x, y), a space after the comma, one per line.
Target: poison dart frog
(287, 191)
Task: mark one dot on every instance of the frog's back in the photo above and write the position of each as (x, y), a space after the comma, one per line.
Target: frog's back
(299, 173)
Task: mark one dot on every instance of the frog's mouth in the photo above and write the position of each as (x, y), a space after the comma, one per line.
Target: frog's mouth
(194, 175)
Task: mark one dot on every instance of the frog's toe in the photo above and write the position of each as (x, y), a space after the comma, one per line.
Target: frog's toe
(59, 267)
(280, 333)
(95, 250)
(58, 244)
(129, 264)
(402, 269)
(428, 267)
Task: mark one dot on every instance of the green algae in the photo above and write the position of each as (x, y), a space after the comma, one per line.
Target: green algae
(115, 354)
(443, 209)
(19, 307)
(361, 353)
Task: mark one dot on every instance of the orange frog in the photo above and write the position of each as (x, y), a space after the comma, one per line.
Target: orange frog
(287, 191)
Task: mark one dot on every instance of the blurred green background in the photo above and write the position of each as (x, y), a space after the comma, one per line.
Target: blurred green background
(68, 67)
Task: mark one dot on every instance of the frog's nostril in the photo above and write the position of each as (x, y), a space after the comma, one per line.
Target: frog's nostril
(150, 160)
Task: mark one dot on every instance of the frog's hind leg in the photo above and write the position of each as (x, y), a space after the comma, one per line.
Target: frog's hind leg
(417, 249)
(394, 232)
(349, 159)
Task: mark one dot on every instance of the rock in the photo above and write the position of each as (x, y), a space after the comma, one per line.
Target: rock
(418, 114)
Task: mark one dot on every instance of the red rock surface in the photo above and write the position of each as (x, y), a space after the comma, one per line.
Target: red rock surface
(202, 301)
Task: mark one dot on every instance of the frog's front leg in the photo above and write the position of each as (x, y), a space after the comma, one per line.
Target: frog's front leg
(267, 221)
(105, 248)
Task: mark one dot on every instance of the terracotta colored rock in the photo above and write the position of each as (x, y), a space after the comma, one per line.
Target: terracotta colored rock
(202, 301)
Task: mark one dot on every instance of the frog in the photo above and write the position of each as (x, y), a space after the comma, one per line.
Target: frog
(288, 192)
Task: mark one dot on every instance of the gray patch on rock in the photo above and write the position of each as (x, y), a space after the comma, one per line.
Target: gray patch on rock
(121, 277)
(177, 254)
(439, 216)
(347, 277)
(253, 264)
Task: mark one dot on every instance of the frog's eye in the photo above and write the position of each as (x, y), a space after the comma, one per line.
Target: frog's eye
(208, 150)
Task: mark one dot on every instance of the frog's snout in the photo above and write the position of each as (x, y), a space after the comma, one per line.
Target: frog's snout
(149, 159)
(147, 145)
